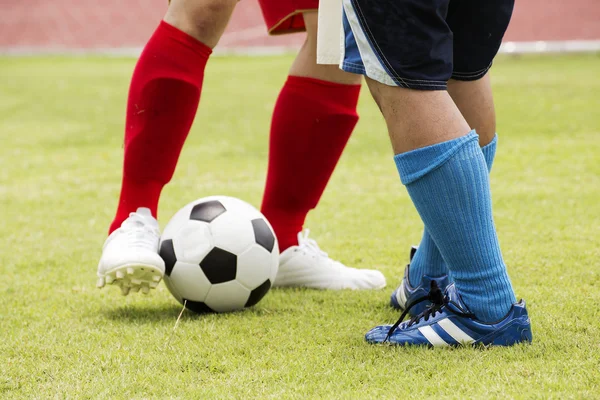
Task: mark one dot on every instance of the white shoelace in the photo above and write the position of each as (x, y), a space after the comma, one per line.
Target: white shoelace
(309, 245)
(139, 232)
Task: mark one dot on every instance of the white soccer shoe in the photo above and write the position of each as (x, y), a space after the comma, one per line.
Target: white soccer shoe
(130, 255)
(306, 265)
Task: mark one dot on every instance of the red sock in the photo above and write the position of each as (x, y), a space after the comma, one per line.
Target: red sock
(163, 99)
(311, 125)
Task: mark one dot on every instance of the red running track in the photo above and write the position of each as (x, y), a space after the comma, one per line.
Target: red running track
(93, 24)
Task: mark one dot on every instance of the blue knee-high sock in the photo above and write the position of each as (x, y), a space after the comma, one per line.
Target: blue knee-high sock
(428, 260)
(489, 152)
(449, 185)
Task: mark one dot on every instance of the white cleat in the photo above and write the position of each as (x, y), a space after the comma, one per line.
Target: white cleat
(130, 257)
(306, 265)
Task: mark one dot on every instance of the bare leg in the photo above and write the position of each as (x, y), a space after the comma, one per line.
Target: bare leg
(305, 63)
(204, 20)
(418, 118)
(475, 101)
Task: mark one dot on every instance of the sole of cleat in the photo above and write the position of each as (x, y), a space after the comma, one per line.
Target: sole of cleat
(132, 278)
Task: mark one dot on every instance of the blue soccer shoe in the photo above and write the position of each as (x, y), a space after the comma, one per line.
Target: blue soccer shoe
(405, 294)
(448, 322)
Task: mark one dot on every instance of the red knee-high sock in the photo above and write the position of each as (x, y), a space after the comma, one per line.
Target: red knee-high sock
(311, 125)
(163, 99)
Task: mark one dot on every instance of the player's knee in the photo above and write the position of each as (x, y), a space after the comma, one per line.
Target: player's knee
(203, 19)
(213, 9)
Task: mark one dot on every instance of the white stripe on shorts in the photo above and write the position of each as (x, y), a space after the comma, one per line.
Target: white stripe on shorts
(373, 67)
(330, 33)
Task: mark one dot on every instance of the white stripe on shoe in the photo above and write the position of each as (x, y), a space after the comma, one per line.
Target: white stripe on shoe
(432, 336)
(457, 334)
(401, 296)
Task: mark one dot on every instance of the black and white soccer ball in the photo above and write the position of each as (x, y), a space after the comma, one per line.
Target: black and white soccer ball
(220, 254)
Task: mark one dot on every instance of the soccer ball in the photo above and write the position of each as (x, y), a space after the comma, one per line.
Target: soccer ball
(220, 254)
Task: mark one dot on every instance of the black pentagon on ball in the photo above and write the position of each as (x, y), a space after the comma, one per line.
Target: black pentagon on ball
(167, 252)
(263, 234)
(207, 211)
(197, 306)
(219, 266)
(257, 294)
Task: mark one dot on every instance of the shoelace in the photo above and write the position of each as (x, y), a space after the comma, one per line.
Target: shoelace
(438, 301)
(138, 231)
(309, 245)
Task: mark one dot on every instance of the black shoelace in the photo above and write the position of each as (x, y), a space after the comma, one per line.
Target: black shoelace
(437, 299)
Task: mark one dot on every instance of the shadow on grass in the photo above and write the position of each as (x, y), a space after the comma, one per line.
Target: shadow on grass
(148, 314)
(137, 314)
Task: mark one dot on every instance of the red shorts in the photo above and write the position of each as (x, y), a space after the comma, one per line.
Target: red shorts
(285, 16)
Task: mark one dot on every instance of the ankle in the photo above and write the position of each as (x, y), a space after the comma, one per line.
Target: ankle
(286, 225)
(136, 194)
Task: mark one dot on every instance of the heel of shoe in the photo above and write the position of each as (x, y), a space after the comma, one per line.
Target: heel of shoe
(519, 332)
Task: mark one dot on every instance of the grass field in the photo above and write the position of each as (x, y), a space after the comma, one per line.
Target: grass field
(61, 123)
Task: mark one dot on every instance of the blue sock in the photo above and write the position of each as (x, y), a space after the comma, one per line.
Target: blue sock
(489, 152)
(428, 260)
(449, 185)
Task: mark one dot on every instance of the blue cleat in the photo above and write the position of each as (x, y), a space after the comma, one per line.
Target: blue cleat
(406, 294)
(448, 322)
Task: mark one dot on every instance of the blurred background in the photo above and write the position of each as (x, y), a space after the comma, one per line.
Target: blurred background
(122, 27)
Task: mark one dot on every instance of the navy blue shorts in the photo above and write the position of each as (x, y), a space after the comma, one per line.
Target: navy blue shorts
(421, 44)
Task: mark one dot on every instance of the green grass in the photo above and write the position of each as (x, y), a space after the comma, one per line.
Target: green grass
(61, 122)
